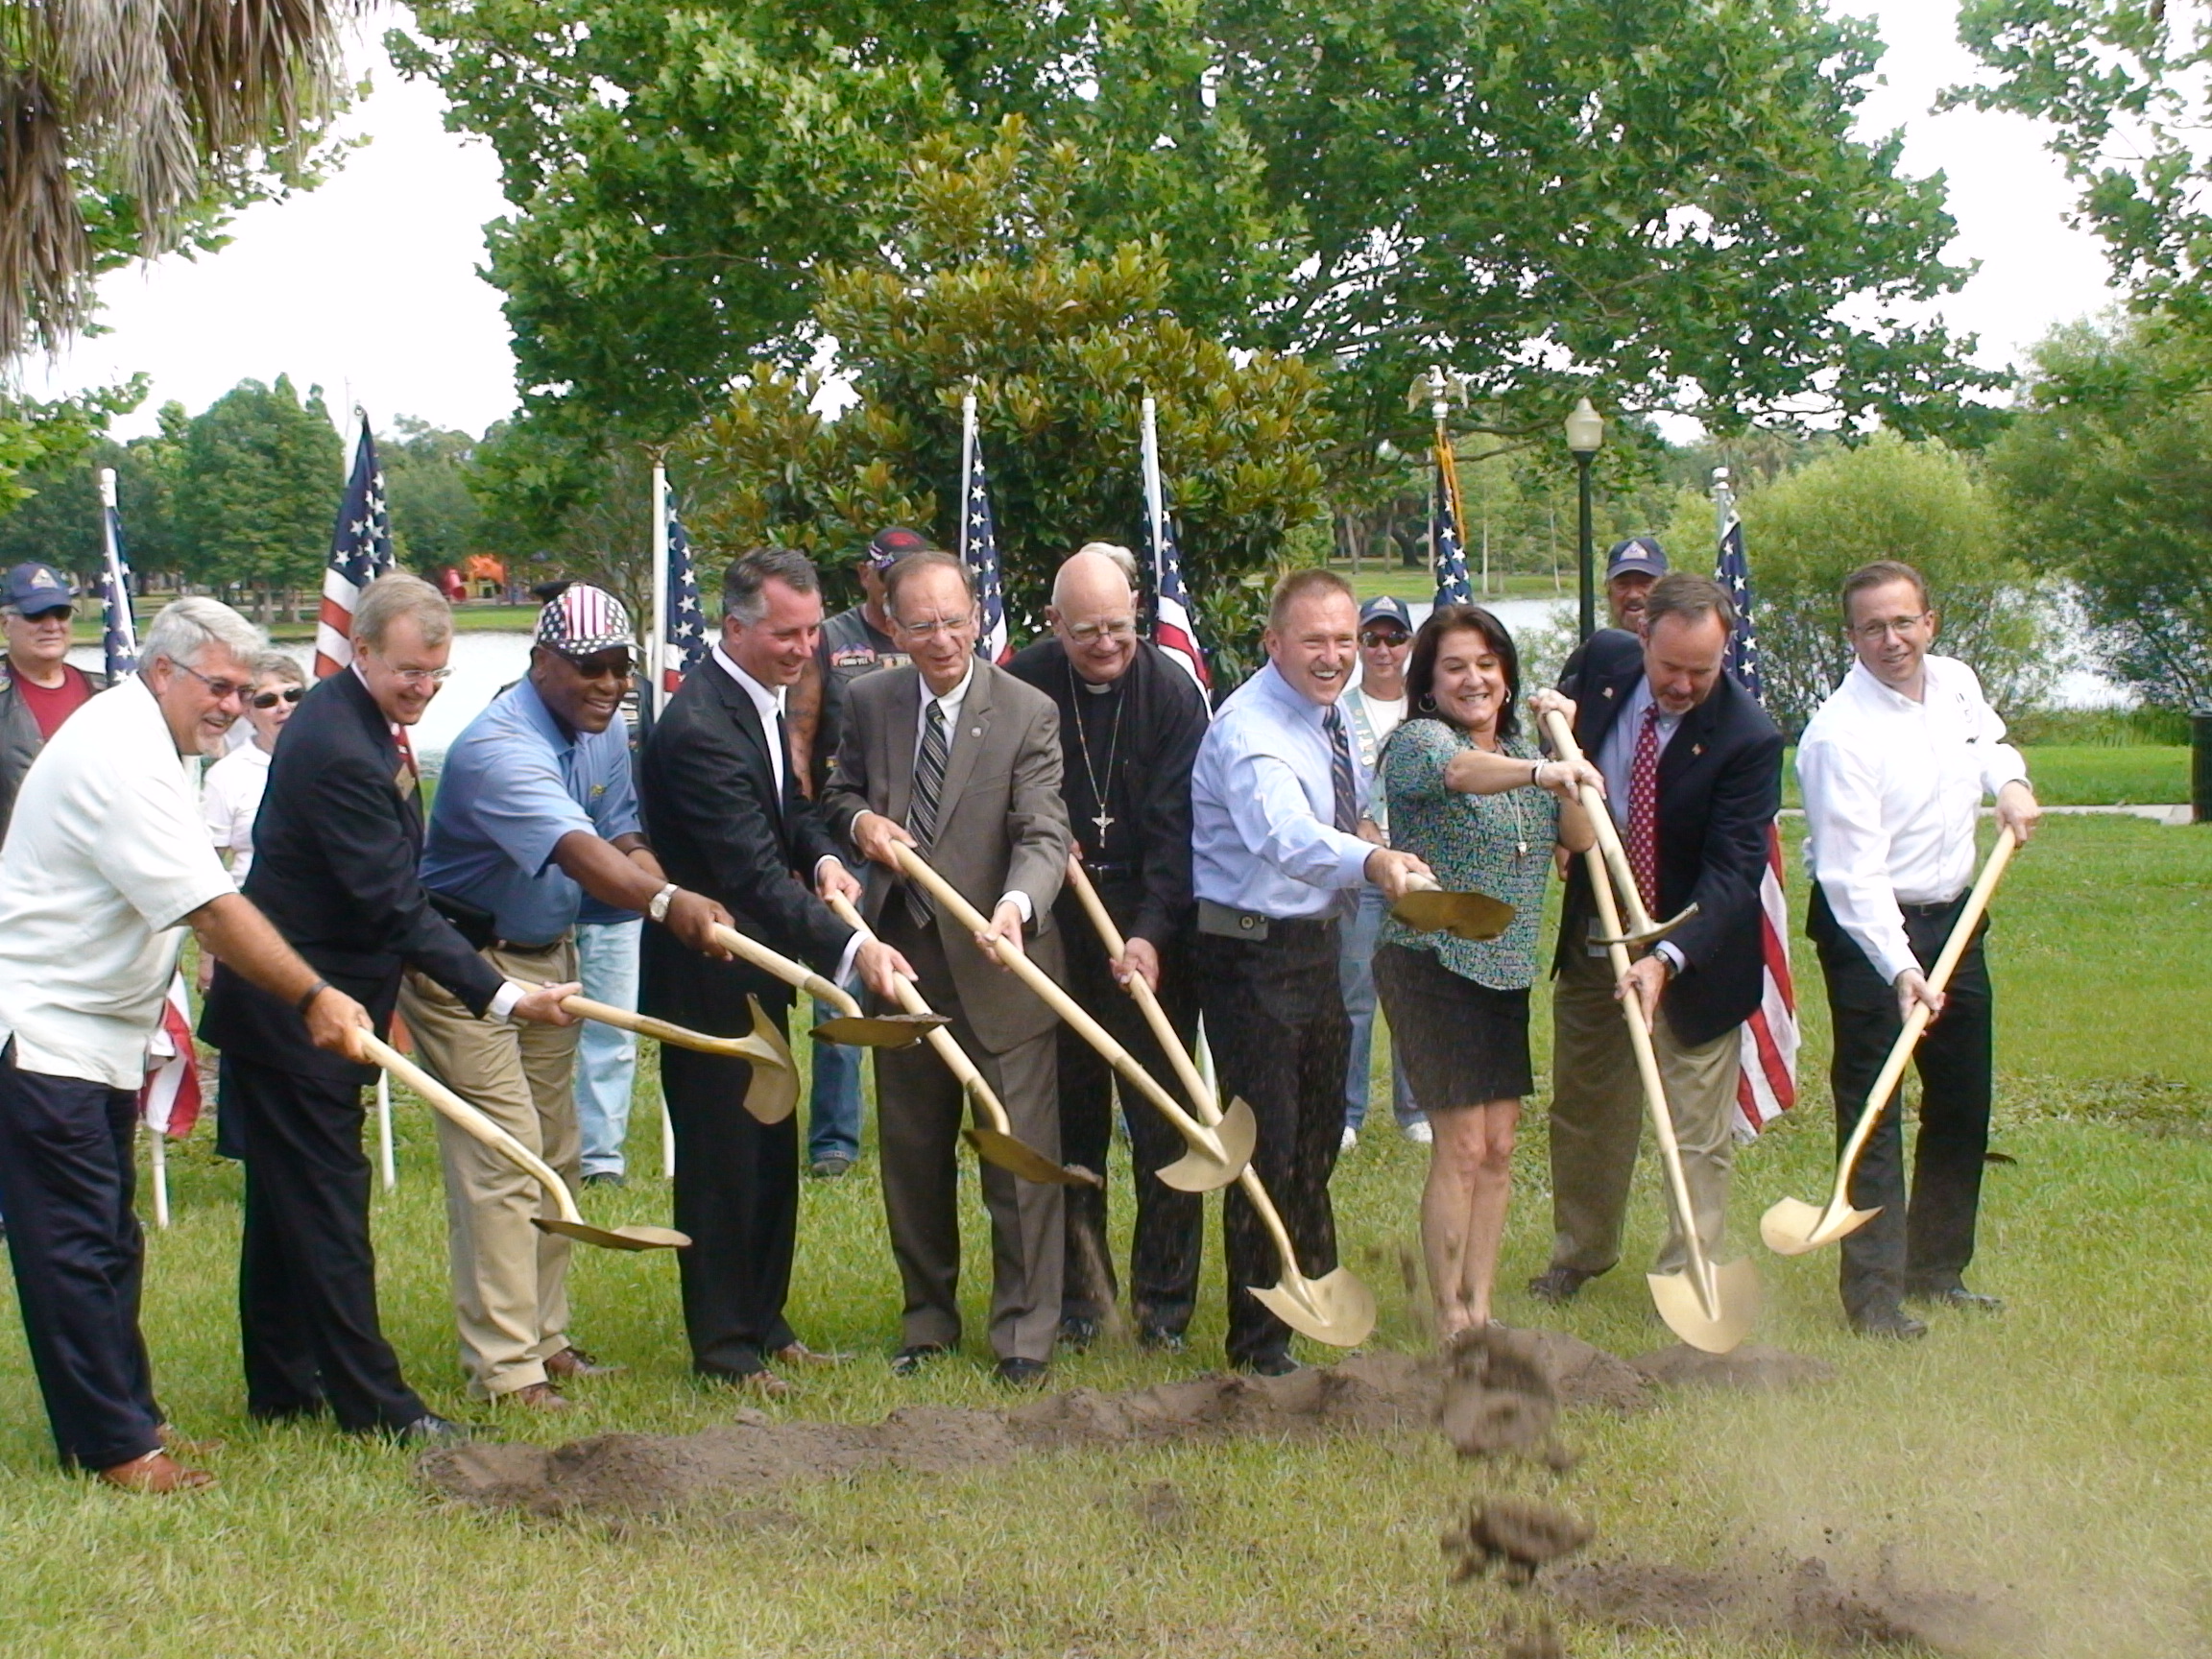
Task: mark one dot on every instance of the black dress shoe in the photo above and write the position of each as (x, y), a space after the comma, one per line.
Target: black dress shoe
(1892, 1322)
(910, 1360)
(1956, 1296)
(1077, 1333)
(1268, 1365)
(1019, 1373)
(1154, 1339)
(1558, 1285)
(605, 1178)
(432, 1429)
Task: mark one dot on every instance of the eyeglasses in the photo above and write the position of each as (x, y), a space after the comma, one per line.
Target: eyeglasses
(1115, 628)
(418, 678)
(270, 699)
(1873, 633)
(931, 627)
(611, 666)
(223, 689)
(1392, 636)
(52, 614)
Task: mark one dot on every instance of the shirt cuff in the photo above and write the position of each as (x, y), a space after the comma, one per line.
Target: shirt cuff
(1020, 900)
(503, 999)
(1671, 953)
(825, 859)
(844, 975)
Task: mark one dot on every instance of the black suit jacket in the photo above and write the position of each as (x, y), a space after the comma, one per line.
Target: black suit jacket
(336, 848)
(1719, 788)
(720, 828)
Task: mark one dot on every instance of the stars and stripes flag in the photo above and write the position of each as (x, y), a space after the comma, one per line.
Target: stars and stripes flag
(1172, 629)
(119, 635)
(683, 637)
(360, 552)
(1447, 545)
(980, 539)
(1767, 1085)
(170, 1099)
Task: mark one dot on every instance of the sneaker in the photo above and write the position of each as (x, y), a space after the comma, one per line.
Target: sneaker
(1350, 1141)
(831, 1168)
(605, 1178)
(1419, 1133)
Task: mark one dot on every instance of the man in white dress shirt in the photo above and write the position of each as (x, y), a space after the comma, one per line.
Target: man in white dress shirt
(1894, 767)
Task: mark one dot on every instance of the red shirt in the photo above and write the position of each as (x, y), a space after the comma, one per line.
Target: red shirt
(49, 706)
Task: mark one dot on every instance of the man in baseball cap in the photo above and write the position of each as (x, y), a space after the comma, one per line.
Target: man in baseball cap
(1631, 567)
(38, 687)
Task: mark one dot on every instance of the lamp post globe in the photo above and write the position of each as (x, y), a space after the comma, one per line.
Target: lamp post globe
(1585, 437)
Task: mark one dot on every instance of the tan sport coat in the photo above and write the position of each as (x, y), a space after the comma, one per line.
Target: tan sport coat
(1001, 823)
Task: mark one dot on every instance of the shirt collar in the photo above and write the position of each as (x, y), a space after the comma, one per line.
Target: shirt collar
(953, 698)
(1868, 687)
(532, 707)
(769, 704)
(1293, 701)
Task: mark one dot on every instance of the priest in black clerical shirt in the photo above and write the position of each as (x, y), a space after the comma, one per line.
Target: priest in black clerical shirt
(1130, 723)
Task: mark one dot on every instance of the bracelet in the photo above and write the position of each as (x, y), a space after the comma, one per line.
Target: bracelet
(657, 907)
(309, 995)
(1536, 774)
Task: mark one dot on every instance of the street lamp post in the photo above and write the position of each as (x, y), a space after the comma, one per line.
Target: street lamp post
(1585, 436)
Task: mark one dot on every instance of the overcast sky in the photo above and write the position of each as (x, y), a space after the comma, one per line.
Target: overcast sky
(367, 286)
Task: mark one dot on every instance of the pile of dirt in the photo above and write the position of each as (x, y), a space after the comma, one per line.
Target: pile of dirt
(1516, 1536)
(1751, 1367)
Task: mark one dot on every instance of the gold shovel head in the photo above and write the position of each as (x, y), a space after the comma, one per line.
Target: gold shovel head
(614, 1237)
(1200, 1171)
(1024, 1162)
(1337, 1309)
(877, 1031)
(773, 1094)
(1463, 915)
(1792, 1227)
(1735, 1305)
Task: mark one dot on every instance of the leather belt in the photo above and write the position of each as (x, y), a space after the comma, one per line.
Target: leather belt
(1226, 922)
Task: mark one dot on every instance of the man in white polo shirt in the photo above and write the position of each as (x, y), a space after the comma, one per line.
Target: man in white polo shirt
(104, 864)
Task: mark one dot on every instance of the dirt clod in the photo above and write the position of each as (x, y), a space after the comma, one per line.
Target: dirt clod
(1538, 1639)
(1516, 1536)
(1750, 1367)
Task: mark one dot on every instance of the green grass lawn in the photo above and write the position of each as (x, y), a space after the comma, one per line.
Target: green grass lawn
(1417, 582)
(2052, 1458)
(2080, 775)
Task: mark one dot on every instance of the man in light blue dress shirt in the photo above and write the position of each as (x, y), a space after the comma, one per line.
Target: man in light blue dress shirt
(1275, 797)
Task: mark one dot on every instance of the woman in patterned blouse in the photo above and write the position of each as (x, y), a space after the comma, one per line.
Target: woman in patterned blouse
(1468, 794)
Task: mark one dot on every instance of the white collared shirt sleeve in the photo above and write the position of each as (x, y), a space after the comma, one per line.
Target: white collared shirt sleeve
(1851, 851)
(503, 999)
(2002, 763)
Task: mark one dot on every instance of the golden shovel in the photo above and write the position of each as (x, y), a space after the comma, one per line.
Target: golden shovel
(570, 1223)
(1337, 1309)
(1642, 932)
(1792, 1227)
(1427, 907)
(1218, 1152)
(851, 1026)
(774, 1092)
(993, 1142)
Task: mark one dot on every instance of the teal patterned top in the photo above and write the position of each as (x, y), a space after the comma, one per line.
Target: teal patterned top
(1495, 844)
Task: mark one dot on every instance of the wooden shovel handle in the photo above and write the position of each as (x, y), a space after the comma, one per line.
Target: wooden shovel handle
(472, 1119)
(1608, 833)
(793, 973)
(644, 1024)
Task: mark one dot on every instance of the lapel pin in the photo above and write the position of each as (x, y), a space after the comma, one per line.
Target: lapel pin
(1606, 691)
(1695, 750)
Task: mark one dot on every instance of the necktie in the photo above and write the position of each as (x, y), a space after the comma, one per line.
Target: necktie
(1643, 808)
(921, 815)
(1345, 792)
(783, 759)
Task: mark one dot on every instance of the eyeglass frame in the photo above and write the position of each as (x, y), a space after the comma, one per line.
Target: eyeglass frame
(1118, 629)
(1371, 638)
(1875, 632)
(289, 694)
(223, 689)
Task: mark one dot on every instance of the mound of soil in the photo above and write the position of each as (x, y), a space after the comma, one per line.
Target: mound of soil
(1750, 1367)
(1517, 1535)
(1365, 1394)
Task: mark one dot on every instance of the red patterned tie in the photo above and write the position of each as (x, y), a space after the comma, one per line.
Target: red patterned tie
(1643, 808)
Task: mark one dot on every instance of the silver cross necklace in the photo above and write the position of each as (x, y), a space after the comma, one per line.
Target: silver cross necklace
(1102, 818)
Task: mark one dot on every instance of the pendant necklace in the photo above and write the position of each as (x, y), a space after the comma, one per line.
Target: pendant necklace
(1103, 819)
(1513, 799)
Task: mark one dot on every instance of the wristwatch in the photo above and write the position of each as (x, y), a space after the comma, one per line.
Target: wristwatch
(658, 909)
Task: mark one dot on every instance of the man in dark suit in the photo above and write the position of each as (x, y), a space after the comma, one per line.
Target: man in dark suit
(334, 868)
(956, 757)
(1693, 770)
(723, 804)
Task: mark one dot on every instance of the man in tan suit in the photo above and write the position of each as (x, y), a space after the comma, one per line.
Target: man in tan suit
(959, 760)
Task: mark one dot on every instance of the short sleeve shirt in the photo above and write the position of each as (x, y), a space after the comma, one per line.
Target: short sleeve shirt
(514, 784)
(230, 800)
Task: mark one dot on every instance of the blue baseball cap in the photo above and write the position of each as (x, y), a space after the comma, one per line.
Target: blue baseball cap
(31, 588)
(1384, 607)
(1638, 556)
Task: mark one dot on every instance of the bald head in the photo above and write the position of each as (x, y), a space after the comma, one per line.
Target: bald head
(1094, 615)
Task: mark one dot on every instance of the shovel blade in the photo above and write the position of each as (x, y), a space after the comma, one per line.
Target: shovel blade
(773, 1094)
(1463, 915)
(1792, 1227)
(614, 1237)
(1717, 1328)
(877, 1031)
(1019, 1158)
(1203, 1168)
(1337, 1309)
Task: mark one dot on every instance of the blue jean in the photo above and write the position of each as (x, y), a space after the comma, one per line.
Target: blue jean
(606, 1055)
(833, 1107)
(1356, 974)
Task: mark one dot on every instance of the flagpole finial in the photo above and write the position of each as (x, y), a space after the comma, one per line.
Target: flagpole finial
(1720, 477)
(106, 486)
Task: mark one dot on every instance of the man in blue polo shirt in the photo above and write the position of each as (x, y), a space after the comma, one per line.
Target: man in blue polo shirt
(535, 811)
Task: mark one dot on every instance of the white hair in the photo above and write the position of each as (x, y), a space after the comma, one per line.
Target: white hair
(1113, 552)
(187, 627)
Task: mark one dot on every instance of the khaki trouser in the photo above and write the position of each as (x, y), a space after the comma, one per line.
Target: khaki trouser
(1598, 1116)
(510, 1279)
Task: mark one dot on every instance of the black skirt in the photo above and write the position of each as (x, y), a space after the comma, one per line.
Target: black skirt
(1462, 1043)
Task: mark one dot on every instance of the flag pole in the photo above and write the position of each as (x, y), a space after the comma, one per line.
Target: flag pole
(1149, 450)
(161, 1177)
(126, 620)
(657, 648)
(966, 466)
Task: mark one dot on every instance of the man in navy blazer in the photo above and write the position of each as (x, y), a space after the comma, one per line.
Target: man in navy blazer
(723, 804)
(1692, 771)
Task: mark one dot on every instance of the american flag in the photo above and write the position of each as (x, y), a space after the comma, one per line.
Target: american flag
(1451, 584)
(1172, 629)
(120, 635)
(1768, 1084)
(169, 1100)
(360, 552)
(979, 540)
(685, 645)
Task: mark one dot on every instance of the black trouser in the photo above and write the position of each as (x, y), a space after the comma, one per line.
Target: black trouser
(1164, 1253)
(1276, 1021)
(66, 1182)
(738, 1196)
(306, 1270)
(1925, 1246)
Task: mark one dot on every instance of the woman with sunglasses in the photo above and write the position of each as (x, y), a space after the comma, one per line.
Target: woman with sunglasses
(230, 798)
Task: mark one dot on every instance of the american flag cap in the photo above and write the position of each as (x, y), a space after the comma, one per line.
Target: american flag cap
(585, 619)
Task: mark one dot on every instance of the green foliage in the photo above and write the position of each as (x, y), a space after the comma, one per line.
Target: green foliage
(981, 283)
(46, 436)
(259, 484)
(1886, 499)
(2107, 469)
(556, 502)
(435, 520)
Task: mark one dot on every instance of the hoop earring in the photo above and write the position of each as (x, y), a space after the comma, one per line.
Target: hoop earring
(1428, 703)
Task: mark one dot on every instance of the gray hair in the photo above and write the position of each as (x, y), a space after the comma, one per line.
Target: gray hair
(187, 627)
(1123, 560)
(750, 573)
(913, 565)
(388, 598)
(280, 665)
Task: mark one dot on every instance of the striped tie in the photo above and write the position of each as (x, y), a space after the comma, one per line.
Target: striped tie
(921, 816)
(1346, 794)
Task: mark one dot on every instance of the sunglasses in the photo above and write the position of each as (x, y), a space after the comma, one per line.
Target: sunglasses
(270, 699)
(606, 665)
(52, 614)
(1374, 637)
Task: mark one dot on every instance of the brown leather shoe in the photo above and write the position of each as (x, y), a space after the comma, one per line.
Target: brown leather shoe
(798, 1354)
(764, 1383)
(538, 1397)
(573, 1362)
(156, 1474)
(183, 1446)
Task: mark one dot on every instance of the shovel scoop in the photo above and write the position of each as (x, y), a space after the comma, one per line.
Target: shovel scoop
(774, 1090)
(1429, 908)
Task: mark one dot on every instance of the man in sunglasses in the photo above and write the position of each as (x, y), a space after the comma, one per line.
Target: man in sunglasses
(536, 809)
(40, 687)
